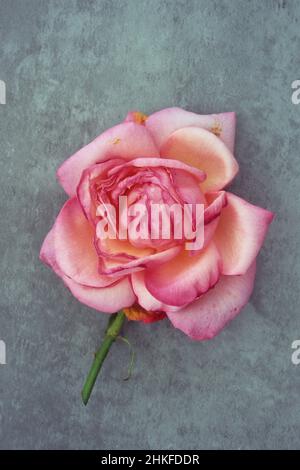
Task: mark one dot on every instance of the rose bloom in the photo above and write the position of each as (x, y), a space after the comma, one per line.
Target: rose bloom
(171, 156)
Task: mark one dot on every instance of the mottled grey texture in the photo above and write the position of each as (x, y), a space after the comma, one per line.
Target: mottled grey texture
(72, 69)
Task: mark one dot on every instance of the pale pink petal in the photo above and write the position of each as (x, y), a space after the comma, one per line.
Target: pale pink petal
(75, 253)
(207, 316)
(47, 253)
(109, 299)
(240, 233)
(181, 280)
(127, 140)
(48, 256)
(163, 123)
(203, 150)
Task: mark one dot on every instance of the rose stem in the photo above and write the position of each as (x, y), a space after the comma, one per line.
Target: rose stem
(114, 327)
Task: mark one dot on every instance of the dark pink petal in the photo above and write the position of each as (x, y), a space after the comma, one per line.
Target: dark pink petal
(94, 172)
(207, 316)
(127, 140)
(145, 299)
(203, 150)
(240, 233)
(181, 280)
(163, 123)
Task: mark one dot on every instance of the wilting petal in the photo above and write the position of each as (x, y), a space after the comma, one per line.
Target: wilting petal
(240, 233)
(207, 316)
(202, 149)
(138, 313)
(75, 253)
(163, 123)
(127, 140)
(181, 280)
(137, 117)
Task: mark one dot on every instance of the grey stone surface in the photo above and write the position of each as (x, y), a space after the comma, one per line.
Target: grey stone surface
(73, 69)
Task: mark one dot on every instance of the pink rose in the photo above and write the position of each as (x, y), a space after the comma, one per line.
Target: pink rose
(172, 155)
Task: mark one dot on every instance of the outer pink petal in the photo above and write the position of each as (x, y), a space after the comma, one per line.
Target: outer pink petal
(47, 253)
(48, 256)
(166, 121)
(181, 280)
(207, 316)
(107, 299)
(240, 233)
(75, 253)
(203, 150)
(127, 140)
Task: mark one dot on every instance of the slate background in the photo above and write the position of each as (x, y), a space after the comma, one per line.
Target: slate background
(73, 69)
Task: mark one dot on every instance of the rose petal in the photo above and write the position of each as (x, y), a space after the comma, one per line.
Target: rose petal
(113, 266)
(215, 203)
(137, 117)
(159, 162)
(207, 316)
(75, 253)
(47, 253)
(107, 299)
(203, 150)
(163, 123)
(138, 313)
(145, 299)
(179, 281)
(240, 233)
(83, 189)
(127, 140)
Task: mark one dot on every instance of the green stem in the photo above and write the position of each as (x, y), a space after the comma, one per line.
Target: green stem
(114, 327)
